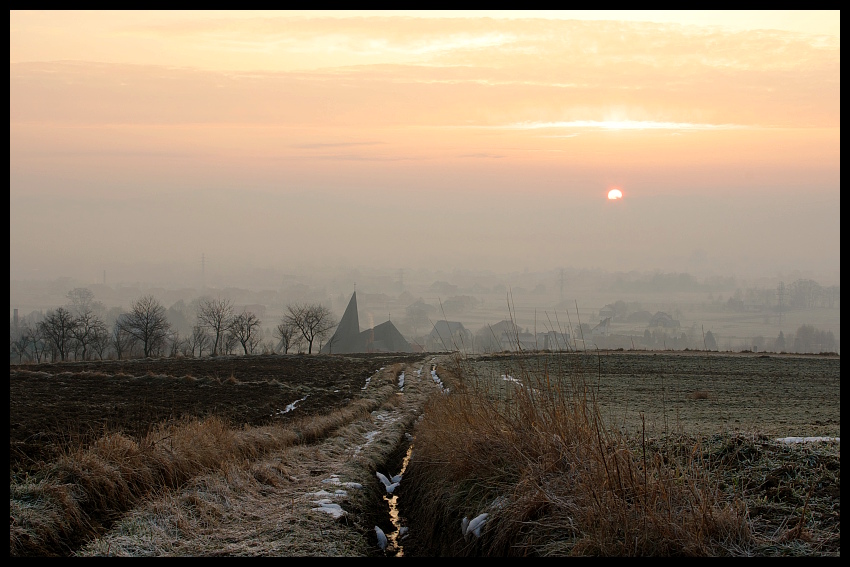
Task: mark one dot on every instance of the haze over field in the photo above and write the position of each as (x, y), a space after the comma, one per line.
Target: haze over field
(380, 140)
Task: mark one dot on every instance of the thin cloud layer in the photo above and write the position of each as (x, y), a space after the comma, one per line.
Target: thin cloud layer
(123, 107)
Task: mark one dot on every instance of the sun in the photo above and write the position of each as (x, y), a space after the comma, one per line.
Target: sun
(615, 194)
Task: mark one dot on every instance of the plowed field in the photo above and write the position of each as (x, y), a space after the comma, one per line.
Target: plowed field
(53, 405)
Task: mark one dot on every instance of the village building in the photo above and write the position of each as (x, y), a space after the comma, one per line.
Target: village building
(661, 319)
(448, 336)
(603, 329)
(348, 338)
(607, 311)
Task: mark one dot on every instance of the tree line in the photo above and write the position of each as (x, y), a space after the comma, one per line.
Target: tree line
(800, 294)
(79, 331)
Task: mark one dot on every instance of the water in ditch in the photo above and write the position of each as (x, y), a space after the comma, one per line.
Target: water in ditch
(397, 536)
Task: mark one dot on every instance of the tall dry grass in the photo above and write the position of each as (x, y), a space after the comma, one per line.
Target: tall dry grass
(553, 479)
(89, 487)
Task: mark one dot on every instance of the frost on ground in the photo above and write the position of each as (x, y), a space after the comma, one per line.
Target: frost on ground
(790, 440)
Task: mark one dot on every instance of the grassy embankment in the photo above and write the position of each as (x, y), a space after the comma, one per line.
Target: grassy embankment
(553, 479)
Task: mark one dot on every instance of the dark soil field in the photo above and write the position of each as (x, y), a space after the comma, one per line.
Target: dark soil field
(54, 405)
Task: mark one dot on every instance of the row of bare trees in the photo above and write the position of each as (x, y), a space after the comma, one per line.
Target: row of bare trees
(302, 322)
(218, 318)
(79, 331)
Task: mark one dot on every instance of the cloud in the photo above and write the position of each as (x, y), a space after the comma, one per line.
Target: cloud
(360, 157)
(321, 145)
(624, 125)
(482, 155)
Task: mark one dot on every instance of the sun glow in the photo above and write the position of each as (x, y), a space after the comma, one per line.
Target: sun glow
(624, 125)
(615, 194)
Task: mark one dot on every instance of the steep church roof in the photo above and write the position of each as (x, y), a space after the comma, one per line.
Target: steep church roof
(346, 338)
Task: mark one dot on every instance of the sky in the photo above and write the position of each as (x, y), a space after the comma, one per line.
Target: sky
(140, 141)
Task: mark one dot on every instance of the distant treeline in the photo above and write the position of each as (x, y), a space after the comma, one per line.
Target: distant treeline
(800, 294)
(672, 282)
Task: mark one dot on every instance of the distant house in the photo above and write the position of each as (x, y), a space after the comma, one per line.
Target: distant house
(526, 341)
(522, 340)
(603, 329)
(553, 340)
(507, 336)
(640, 317)
(384, 338)
(492, 338)
(448, 336)
(607, 311)
(661, 319)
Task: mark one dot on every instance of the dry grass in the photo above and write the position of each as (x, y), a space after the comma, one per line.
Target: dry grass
(87, 489)
(264, 507)
(554, 480)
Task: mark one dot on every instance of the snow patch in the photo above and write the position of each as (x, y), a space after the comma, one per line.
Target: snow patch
(291, 406)
(328, 507)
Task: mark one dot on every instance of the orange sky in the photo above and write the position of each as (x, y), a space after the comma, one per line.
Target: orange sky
(112, 109)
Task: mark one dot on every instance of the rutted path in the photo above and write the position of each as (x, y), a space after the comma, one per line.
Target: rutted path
(319, 499)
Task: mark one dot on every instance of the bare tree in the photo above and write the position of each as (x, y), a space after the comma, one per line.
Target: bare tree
(199, 339)
(56, 328)
(28, 339)
(229, 343)
(19, 344)
(288, 336)
(174, 343)
(186, 347)
(146, 322)
(216, 315)
(314, 321)
(246, 328)
(81, 298)
(87, 329)
(37, 343)
(710, 341)
(122, 341)
(255, 341)
(100, 341)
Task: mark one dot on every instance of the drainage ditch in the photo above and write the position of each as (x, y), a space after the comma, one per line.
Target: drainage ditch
(387, 516)
(395, 531)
